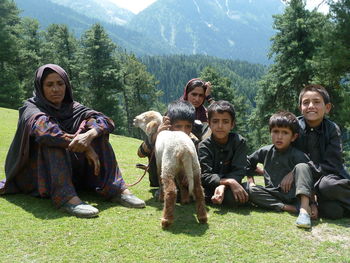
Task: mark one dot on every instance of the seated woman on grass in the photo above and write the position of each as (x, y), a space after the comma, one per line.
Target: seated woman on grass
(60, 146)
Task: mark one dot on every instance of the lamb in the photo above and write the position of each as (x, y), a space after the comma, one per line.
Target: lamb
(177, 162)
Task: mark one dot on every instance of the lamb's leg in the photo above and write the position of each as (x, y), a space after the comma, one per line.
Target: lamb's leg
(161, 191)
(183, 187)
(200, 202)
(169, 201)
(161, 187)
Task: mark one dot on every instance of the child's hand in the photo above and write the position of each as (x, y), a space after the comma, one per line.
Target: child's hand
(259, 170)
(287, 182)
(240, 194)
(251, 180)
(238, 191)
(218, 196)
(165, 125)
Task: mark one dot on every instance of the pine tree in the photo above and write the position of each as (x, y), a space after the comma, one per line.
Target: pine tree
(139, 90)
(100, 71)
(29, 58)
(10, 92)
(293, 47)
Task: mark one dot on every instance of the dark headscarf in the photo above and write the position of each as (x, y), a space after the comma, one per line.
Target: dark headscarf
(201, 112)
(69, 116)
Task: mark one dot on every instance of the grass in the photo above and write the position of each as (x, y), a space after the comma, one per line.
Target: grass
(34, 231)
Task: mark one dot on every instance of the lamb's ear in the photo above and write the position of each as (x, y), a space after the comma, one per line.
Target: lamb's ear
(151, 127)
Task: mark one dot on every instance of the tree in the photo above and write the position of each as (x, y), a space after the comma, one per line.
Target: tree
(139, 90)
(10, 91)
(331, 63)
(100, 71)
(29, 58)
(293, 47)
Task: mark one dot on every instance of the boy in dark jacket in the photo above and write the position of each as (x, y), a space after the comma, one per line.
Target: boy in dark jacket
(223, 158)
(287, 176)
(320, 138)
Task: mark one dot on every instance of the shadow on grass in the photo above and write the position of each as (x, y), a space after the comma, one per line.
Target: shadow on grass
(223, 209)
(43, 208)
(185, 220)
(344, 222)
(39, 207)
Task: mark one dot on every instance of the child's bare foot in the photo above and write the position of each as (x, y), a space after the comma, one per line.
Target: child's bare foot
(218, 196)
(290, 209)
(314, 211)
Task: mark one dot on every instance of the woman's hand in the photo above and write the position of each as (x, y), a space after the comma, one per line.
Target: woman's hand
(208, 89)
(82, 141)
(93, 160)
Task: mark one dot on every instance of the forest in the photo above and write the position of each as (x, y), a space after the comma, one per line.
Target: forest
(308, 47)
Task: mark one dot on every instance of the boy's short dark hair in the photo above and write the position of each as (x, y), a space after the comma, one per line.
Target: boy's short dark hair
(315, 88)
(221, 106)
(181, 110)
(284, 119)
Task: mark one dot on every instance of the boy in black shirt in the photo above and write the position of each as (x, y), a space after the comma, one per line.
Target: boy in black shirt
(223, 158)
(287, 176)
(320, 138)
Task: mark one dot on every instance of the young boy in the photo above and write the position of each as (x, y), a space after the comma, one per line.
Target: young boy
(286, 173)
(320, 138)
(179, 117)
(223, 158)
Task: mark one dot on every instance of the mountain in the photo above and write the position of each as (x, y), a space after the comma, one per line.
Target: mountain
(47, 12)
(103, 10)
(230, 29)
(236, 29)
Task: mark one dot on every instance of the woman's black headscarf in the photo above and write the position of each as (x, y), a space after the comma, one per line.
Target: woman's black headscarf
(69, 116)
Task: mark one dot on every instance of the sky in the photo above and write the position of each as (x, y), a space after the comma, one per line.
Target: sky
(136, 6)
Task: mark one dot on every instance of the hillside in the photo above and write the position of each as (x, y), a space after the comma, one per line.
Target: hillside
(174, 71)
(103, 10)
(235, 29)
(47, 12)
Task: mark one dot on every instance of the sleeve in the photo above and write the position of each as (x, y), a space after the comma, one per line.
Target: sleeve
(302, 158)
(46, 131)
(102, 124)
(206, 159)
(145, 149)
(252, 161)
(333, 161)
(239, 162)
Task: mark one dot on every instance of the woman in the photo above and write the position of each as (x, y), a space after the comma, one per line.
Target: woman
(196, 92)
(61, 145)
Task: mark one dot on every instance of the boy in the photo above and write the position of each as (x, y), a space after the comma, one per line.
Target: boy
(223, 158)
(179, 117)
(320, 138)
(283, 164)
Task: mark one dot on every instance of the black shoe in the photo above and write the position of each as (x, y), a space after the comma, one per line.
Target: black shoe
(129, 200)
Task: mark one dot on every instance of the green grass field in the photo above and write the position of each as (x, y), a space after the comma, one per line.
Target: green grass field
(32, 230)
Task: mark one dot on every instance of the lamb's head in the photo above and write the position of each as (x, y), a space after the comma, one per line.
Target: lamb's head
(148, 121)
